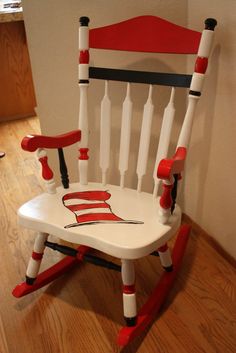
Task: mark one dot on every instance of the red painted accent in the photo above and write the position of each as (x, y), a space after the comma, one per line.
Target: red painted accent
(166, 200)
(96, 214)
(150, 309)
(84, 57)
(85, 206)
(129, 289)
(32, 142)
(37, 256)
(95, 217)
(83, 154)
(146, 34)
(201, 65)
(168, 167)
(163, 248)
(50, 274)
(47, 172)
(93, 195)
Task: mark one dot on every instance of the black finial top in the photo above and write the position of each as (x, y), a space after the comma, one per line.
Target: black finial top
(210, 24)
(84, 21)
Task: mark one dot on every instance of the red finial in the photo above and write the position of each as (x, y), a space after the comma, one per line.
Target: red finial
(47, 173)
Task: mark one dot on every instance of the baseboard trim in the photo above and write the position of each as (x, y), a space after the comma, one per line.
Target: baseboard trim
(210, 240)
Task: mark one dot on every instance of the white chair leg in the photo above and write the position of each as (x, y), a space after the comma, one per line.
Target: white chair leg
(165, 257)
(129, 295)
(36, 258)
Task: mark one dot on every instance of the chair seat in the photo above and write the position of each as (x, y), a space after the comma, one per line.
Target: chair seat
(120, 222)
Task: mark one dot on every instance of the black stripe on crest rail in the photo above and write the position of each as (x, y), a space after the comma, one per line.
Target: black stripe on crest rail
(153, 78)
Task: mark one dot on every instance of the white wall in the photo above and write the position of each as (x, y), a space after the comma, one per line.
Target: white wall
(52, 37)
(210, 193)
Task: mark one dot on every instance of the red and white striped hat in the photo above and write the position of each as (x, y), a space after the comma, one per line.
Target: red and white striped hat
(90, 207)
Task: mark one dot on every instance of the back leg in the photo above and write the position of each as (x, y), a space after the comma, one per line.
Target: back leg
(165, 258)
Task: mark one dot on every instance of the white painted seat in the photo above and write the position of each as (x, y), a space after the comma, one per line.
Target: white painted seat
(123, 240)
(125, 223)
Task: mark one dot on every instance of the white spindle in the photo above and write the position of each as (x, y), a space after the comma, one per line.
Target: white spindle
(164, 139)
(105, 133)
(125, 135)
(145, 138)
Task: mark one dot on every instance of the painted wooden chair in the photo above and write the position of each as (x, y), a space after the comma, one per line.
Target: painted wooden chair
(124, 223)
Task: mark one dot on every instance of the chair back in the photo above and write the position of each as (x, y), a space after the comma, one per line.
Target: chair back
(140, 34)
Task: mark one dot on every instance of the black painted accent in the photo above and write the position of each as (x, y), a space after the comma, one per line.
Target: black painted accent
(210, 24)
(83, 81)
(84, 21)
(195, 93)
(168, 268)
(101, 262)
(63, 169)
(131, 321)
(174, 192)
(154, 78)
(29, 280)
(155, 253)
(66, 250)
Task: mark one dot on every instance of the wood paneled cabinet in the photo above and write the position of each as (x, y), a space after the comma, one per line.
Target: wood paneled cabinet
(17, 97)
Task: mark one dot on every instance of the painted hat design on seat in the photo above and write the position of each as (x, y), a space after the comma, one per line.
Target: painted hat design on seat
(91, 207)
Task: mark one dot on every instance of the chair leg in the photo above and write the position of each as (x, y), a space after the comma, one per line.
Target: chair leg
(36, 258)
(165, 258)
(149, 310)
(129, 295)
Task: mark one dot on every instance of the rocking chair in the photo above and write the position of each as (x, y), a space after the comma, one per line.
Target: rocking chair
(122, 222)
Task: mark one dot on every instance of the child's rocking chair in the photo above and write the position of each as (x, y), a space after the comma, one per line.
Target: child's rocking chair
(119, 221)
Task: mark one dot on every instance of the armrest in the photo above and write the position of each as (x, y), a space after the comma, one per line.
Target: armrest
(168, 167)
(32, 142)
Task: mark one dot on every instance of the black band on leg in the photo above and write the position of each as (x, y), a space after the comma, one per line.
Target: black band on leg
(168, 268)
(131, 321)
(29, 280)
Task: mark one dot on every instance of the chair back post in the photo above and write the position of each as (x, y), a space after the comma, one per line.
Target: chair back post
(83, 71)
(193, 97)
(197, 81)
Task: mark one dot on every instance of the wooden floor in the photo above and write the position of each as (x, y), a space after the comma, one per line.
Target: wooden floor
(82, 312)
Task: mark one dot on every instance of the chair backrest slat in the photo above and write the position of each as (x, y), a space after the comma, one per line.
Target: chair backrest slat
(125, 135)
(105, 133)
(145, 138)
(146, 34)
(164, 139)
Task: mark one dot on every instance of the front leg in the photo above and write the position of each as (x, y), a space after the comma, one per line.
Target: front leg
(36, 258)
(129, 295)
